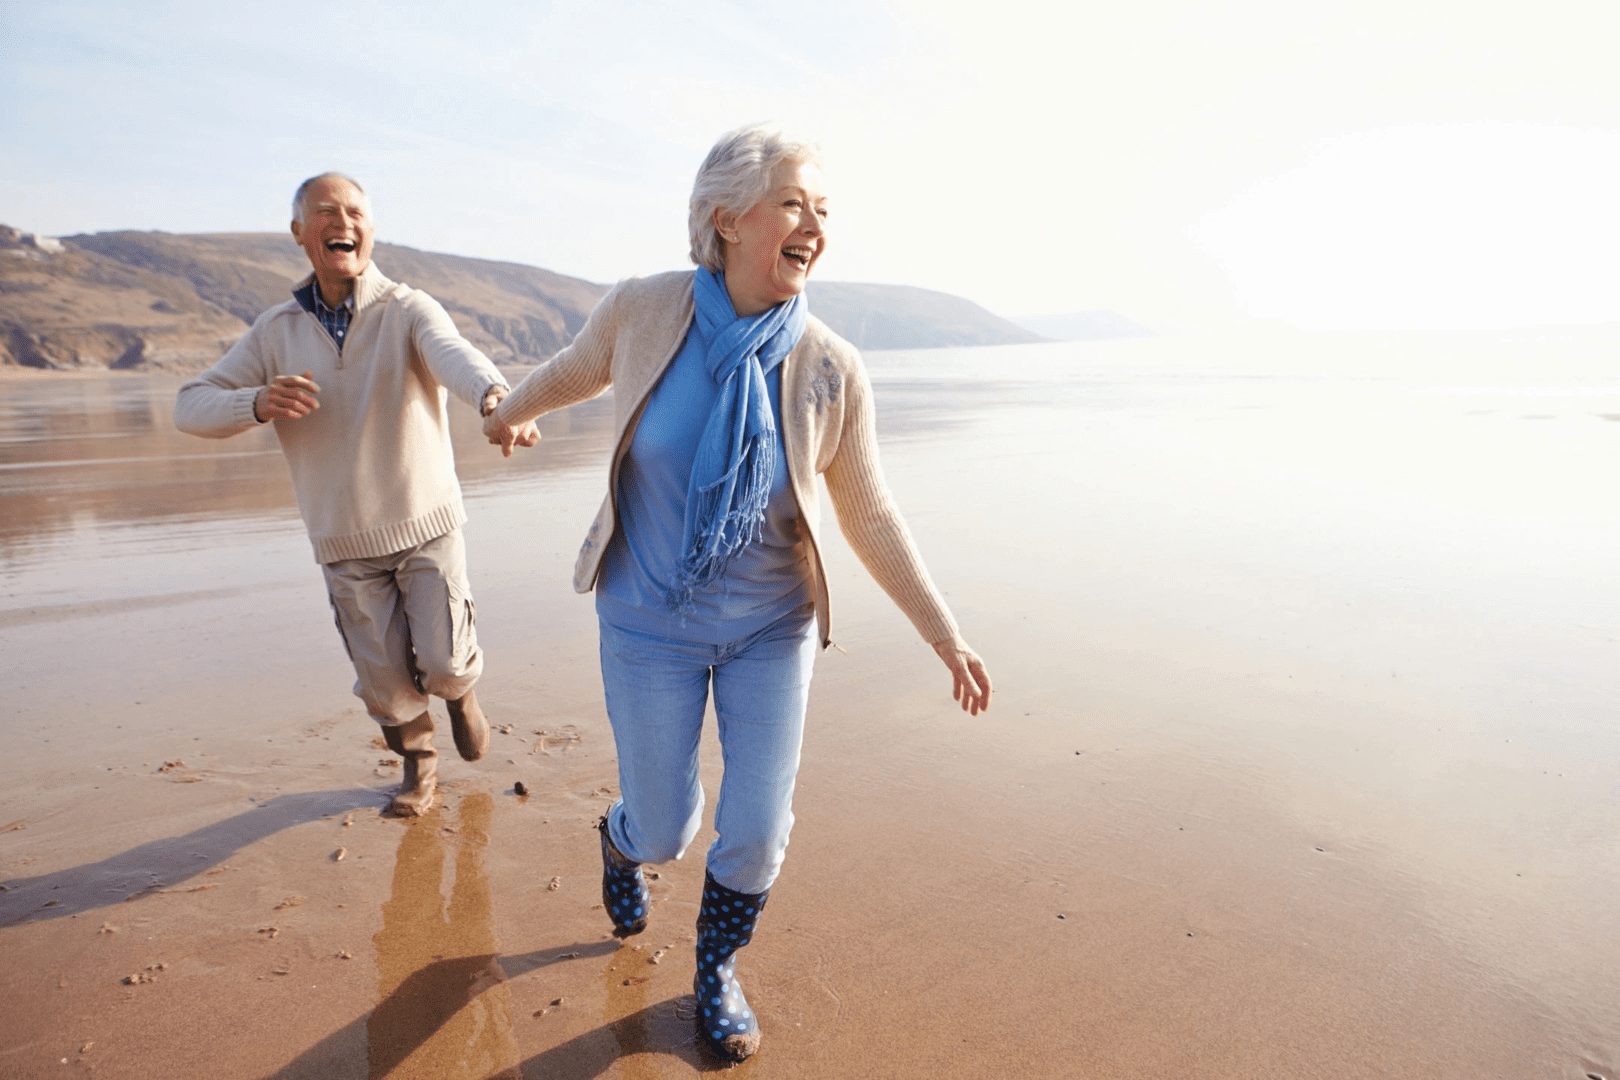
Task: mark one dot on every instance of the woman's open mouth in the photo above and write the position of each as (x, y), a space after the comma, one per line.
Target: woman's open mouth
(799, 256)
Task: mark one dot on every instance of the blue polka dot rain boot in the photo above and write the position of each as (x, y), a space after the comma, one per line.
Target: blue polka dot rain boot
(624, 889)
(725, 1023)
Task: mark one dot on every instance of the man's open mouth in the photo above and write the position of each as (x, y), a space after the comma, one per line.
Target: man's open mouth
(799, 255)
(340, 245)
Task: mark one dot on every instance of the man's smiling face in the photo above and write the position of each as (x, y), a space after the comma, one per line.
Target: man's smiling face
(336, 232)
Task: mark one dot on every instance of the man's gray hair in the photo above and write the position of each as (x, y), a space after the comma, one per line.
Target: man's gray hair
(735, 177)
(303, 190)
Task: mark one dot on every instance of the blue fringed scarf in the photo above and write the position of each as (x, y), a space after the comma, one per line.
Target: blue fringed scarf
(736, 456)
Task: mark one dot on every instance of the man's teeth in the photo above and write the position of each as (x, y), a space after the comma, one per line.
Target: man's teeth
(339, 245)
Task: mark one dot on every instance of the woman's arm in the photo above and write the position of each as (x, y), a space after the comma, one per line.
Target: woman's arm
(578, 373)
(876, 532)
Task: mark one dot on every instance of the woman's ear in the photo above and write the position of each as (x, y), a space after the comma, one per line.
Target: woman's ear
(725, 223)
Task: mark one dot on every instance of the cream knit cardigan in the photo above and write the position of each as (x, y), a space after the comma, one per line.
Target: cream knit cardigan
(372, 467)
(827, 430)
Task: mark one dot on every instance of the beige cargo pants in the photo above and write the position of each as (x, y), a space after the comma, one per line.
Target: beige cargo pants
(407, 620)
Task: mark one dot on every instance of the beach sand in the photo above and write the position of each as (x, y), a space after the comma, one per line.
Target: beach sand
(1302, 758)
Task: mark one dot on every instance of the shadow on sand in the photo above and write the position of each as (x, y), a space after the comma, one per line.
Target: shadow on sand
(165, 862)
(445, 1006)
(663, 1028)
(405, 1021)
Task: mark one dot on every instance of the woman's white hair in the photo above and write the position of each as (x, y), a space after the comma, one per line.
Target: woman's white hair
(734, 178)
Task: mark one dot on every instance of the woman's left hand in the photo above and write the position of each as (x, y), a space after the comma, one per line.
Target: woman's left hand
(972, 682)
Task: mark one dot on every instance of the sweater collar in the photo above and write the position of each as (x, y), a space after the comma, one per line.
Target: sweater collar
(369, 287)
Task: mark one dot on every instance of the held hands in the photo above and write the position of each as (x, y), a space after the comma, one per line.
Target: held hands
(501, 434)
(972, 682)
(288, 397)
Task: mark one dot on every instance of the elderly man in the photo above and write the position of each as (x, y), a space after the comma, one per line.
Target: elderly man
(353, 371)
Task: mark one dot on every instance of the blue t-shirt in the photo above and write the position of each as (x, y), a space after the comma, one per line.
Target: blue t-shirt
(767, 580)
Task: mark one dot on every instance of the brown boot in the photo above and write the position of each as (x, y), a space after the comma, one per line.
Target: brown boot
(468, 725)
(414, 743)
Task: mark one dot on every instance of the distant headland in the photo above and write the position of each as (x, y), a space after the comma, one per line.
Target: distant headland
(156, 301)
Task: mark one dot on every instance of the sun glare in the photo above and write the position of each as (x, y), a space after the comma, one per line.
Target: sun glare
(1475, 226)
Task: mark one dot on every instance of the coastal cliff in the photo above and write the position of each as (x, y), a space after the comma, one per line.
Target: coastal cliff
(155, 301)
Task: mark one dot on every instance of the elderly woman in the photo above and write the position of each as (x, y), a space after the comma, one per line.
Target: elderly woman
(730, 399)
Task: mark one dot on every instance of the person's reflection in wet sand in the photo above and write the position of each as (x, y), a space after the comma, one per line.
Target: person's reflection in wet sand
(626, 1016)
(445, 1011)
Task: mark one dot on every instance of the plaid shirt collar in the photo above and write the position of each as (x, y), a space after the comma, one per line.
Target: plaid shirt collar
(336, 320)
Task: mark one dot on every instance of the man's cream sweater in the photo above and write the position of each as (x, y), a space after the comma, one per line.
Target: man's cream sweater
(827, 430)
(372, 467)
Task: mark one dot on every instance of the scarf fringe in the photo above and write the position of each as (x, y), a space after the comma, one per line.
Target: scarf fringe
(730, 487)
(724, 527)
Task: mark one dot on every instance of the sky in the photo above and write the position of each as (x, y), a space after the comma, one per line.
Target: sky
(1187, 163)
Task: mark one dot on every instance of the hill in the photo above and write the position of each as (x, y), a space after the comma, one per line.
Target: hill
(157, 301)
(904, 317)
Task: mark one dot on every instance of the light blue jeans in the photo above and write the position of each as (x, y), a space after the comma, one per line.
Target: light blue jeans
(656, 691)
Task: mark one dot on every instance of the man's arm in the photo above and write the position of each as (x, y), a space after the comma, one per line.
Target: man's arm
(466, 372)
(454, 362)
(220, 402)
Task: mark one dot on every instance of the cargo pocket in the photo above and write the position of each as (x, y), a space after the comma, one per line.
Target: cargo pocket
(463, 625)
(337, 620)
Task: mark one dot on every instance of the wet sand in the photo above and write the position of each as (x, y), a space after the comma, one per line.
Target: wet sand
(1302, 760)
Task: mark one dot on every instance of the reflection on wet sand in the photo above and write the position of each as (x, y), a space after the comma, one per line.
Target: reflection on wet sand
(444, 1010)
(82, 452)
(626, 1017)
(445, 1006)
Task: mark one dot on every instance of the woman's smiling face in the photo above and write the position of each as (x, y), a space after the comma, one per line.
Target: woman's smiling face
(769, 250)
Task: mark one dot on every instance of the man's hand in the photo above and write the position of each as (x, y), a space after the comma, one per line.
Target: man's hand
(288, 397)
(501, 434)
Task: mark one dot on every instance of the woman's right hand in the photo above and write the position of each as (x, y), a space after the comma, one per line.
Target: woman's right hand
(971, 685)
